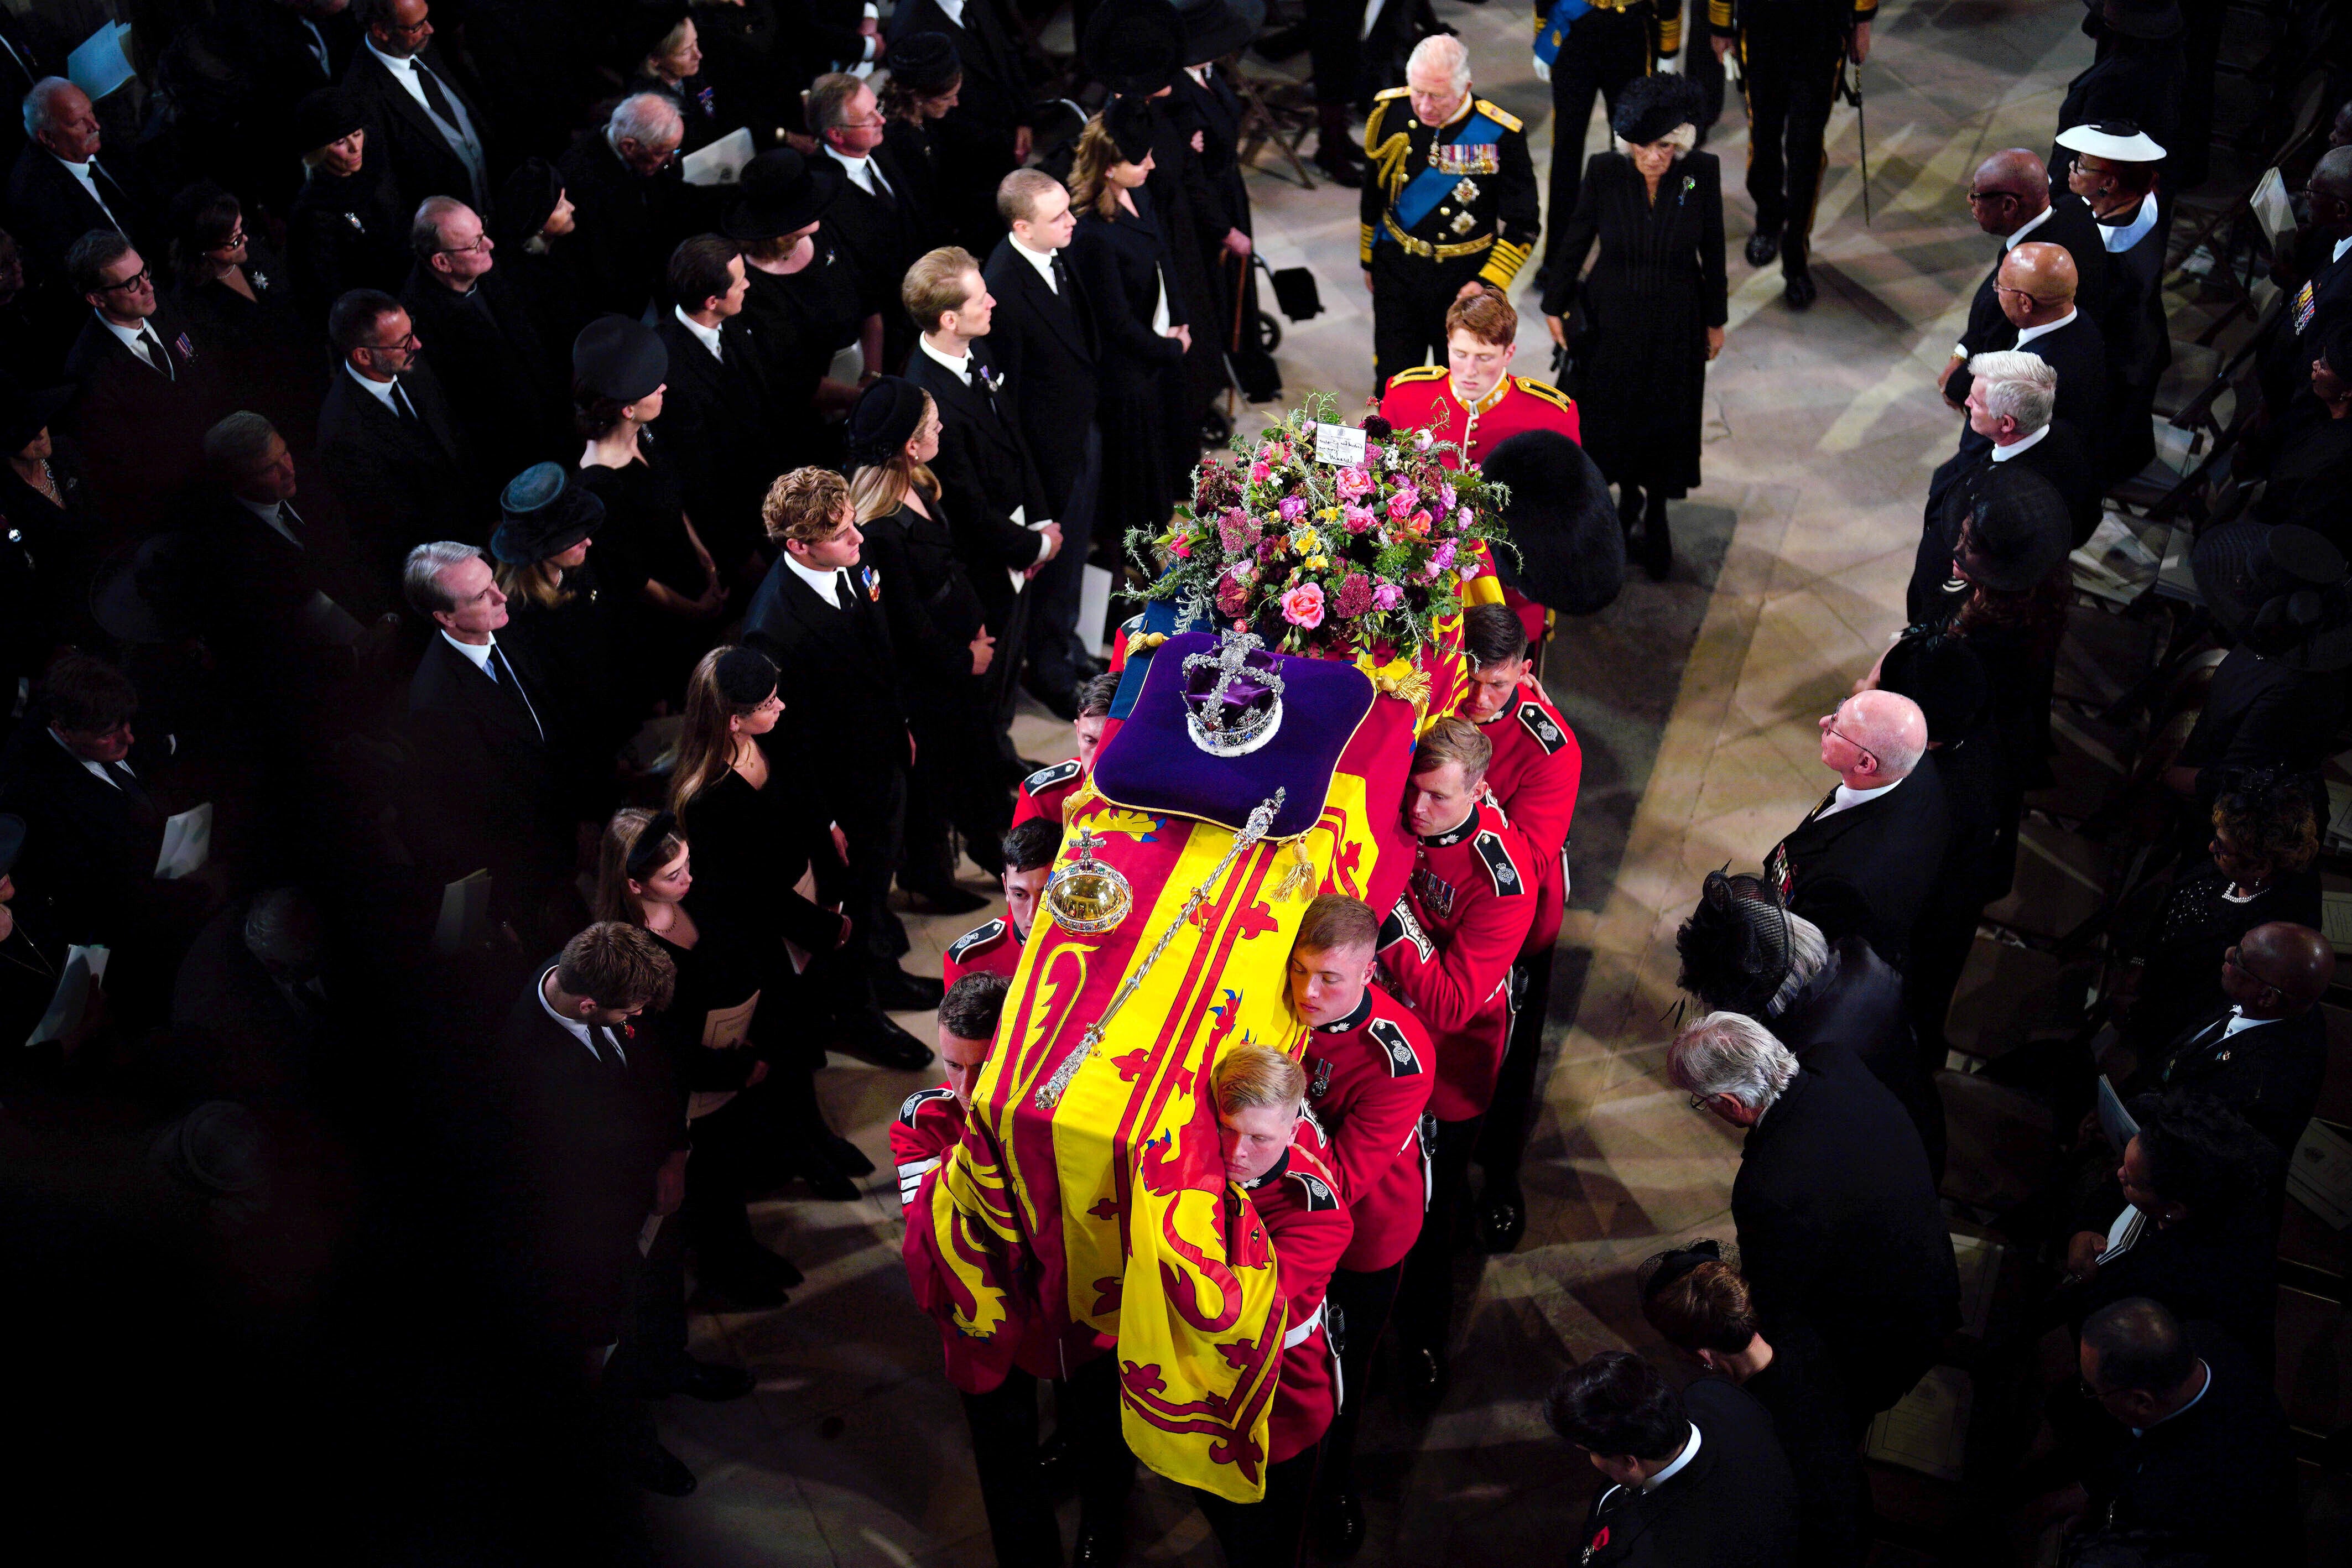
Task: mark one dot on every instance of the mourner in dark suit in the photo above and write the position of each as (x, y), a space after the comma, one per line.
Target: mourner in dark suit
(59, 189)
(1044, 335)
(503, 384)
(387, 435)
(874, 222)
(1863, 864)
(632, 203)
(2038, 294)
(2203, 1471)
(715, 415)
(2115, 173)
(1699, 1477)
(1840, 1229)
(819, 617)
(432, 131)
(2009, 405)
(985, 136)
(483, 791)
(93, 830)
(989, 484)
(2291, 340)
(2265, 1054)
(2010, 197)
(145, 391)
(288, 49)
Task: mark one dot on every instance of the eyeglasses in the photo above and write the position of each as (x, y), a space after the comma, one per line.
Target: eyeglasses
(142, 279)
(2022, 294)
(409, 342)
(481, 246)
(234, 239)
(877, 123)
(1698, 1102)
(1981, 198)
(2237, 962)
(1830, 728)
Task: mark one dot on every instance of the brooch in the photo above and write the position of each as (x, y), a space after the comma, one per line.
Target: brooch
(873, 584)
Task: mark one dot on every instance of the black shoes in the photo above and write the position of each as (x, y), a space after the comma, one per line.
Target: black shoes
(639, 1456)
(1057, 1466)
(1657, 547)
(1101, 1544)
(1339, 1524)
(824, 1179)
(897, 991)
(1502, 1217)
(1798, 291)
(754, 1278)
(944, 898)
(850, 1158)
(1762, 247)
(1337, 153)
(1421, 1375)
(876, 1038)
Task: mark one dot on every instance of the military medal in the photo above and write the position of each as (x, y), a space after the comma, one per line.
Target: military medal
(1436, 893)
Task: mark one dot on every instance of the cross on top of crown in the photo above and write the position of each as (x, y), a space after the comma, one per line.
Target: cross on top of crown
(1231, 661)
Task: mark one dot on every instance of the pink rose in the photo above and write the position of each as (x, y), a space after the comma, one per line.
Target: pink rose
(1353, 481)
(1423, 440)
(1462, 517)
(1358, 519)
(1445, 555)
(1259, 471)
(1303, 605)
(1387, 596)
(1181, 549)
(1402, 504)
(1292, 508)
(1444, 497)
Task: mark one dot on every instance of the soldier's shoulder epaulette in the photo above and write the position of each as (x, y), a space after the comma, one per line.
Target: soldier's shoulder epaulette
(1420, 373)
(1316, 1187)
(1387, 93)
(1540, 724)
(1403, 1061)
(979, 936)
(1544, 391)
(910, 1108)
(1496, 857)
(1499, 115)
(1052, 778)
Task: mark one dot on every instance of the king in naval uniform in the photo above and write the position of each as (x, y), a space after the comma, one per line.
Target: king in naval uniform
(1449, 203)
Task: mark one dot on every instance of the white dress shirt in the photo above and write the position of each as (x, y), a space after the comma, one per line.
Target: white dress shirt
(272, 513)
(952, 10)
(1847, 798)
(2341, 246)
(1043, 260)
(827, 584)
(143, 341)
(2026, 334)
(2019, 447)
(960, 363)
(88, 183)
(1690, 1452)
(577, 1029)
(707, 336)
(95, 769)
(2025, 230)
(461, 137)
(380, 391)
(861, 172)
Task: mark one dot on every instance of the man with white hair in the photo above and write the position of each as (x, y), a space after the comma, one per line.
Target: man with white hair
(1840, 1230)
(502, 381)
(1866, 859)
(1449, 203)
(57, 190)
(629, 200)
(430, 131)
(2010, 400)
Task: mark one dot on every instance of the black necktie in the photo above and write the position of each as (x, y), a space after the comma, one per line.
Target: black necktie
(401, 406)
(844, 592)
(1061, 277)
(2199, 1048)
(435, 99)
(135, 796)
(291, 522)
(882, 191)
(620, 1058)
(157, 355)
(503, 673)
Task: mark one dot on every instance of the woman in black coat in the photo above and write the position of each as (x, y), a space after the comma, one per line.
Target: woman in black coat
(1122, 257)
(936, 637)
(347, 229)
(1654, 307)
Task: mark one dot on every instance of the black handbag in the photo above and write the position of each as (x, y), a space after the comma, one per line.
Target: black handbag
(1293, 290)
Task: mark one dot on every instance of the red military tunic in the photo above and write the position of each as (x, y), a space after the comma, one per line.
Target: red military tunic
(1368, 1083)
(1044, 792)
(992, 947)
(1448, 947)
(1534, 777)
(1299, 1202)
(929, 1125)
(1423, 396)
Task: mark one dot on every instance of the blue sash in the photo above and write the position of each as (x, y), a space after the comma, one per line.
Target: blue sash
(1563, 15)
(1426, 189)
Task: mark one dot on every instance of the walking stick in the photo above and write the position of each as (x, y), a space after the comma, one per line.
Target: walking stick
(1850, 88)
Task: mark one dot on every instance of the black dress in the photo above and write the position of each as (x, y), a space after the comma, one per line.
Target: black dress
(572, 653)
(1641, 342)
(751, 845)
(1122, 262)
(933, 614)
(800, 321)
(346, 232)
(643, 540)
(67, 544)
(269, 353)
(914, 151)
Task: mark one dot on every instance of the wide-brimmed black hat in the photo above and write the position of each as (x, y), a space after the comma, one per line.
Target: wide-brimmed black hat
(1134, 46)
(155, 592)
(2279, 590)
(527, 199)
(326, 116)
(1651, 107)
(1943, 674)
(886, 415)
(925, 63)
(641, 29)
(543, 511)
(2139, 18)
(619, 359)
(26, 411)
(1128, 123)
(1566, 549)
(780, 192)
(2017, 530)
(1215, 28)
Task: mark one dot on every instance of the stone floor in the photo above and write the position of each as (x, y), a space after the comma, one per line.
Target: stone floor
(1821, 430)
